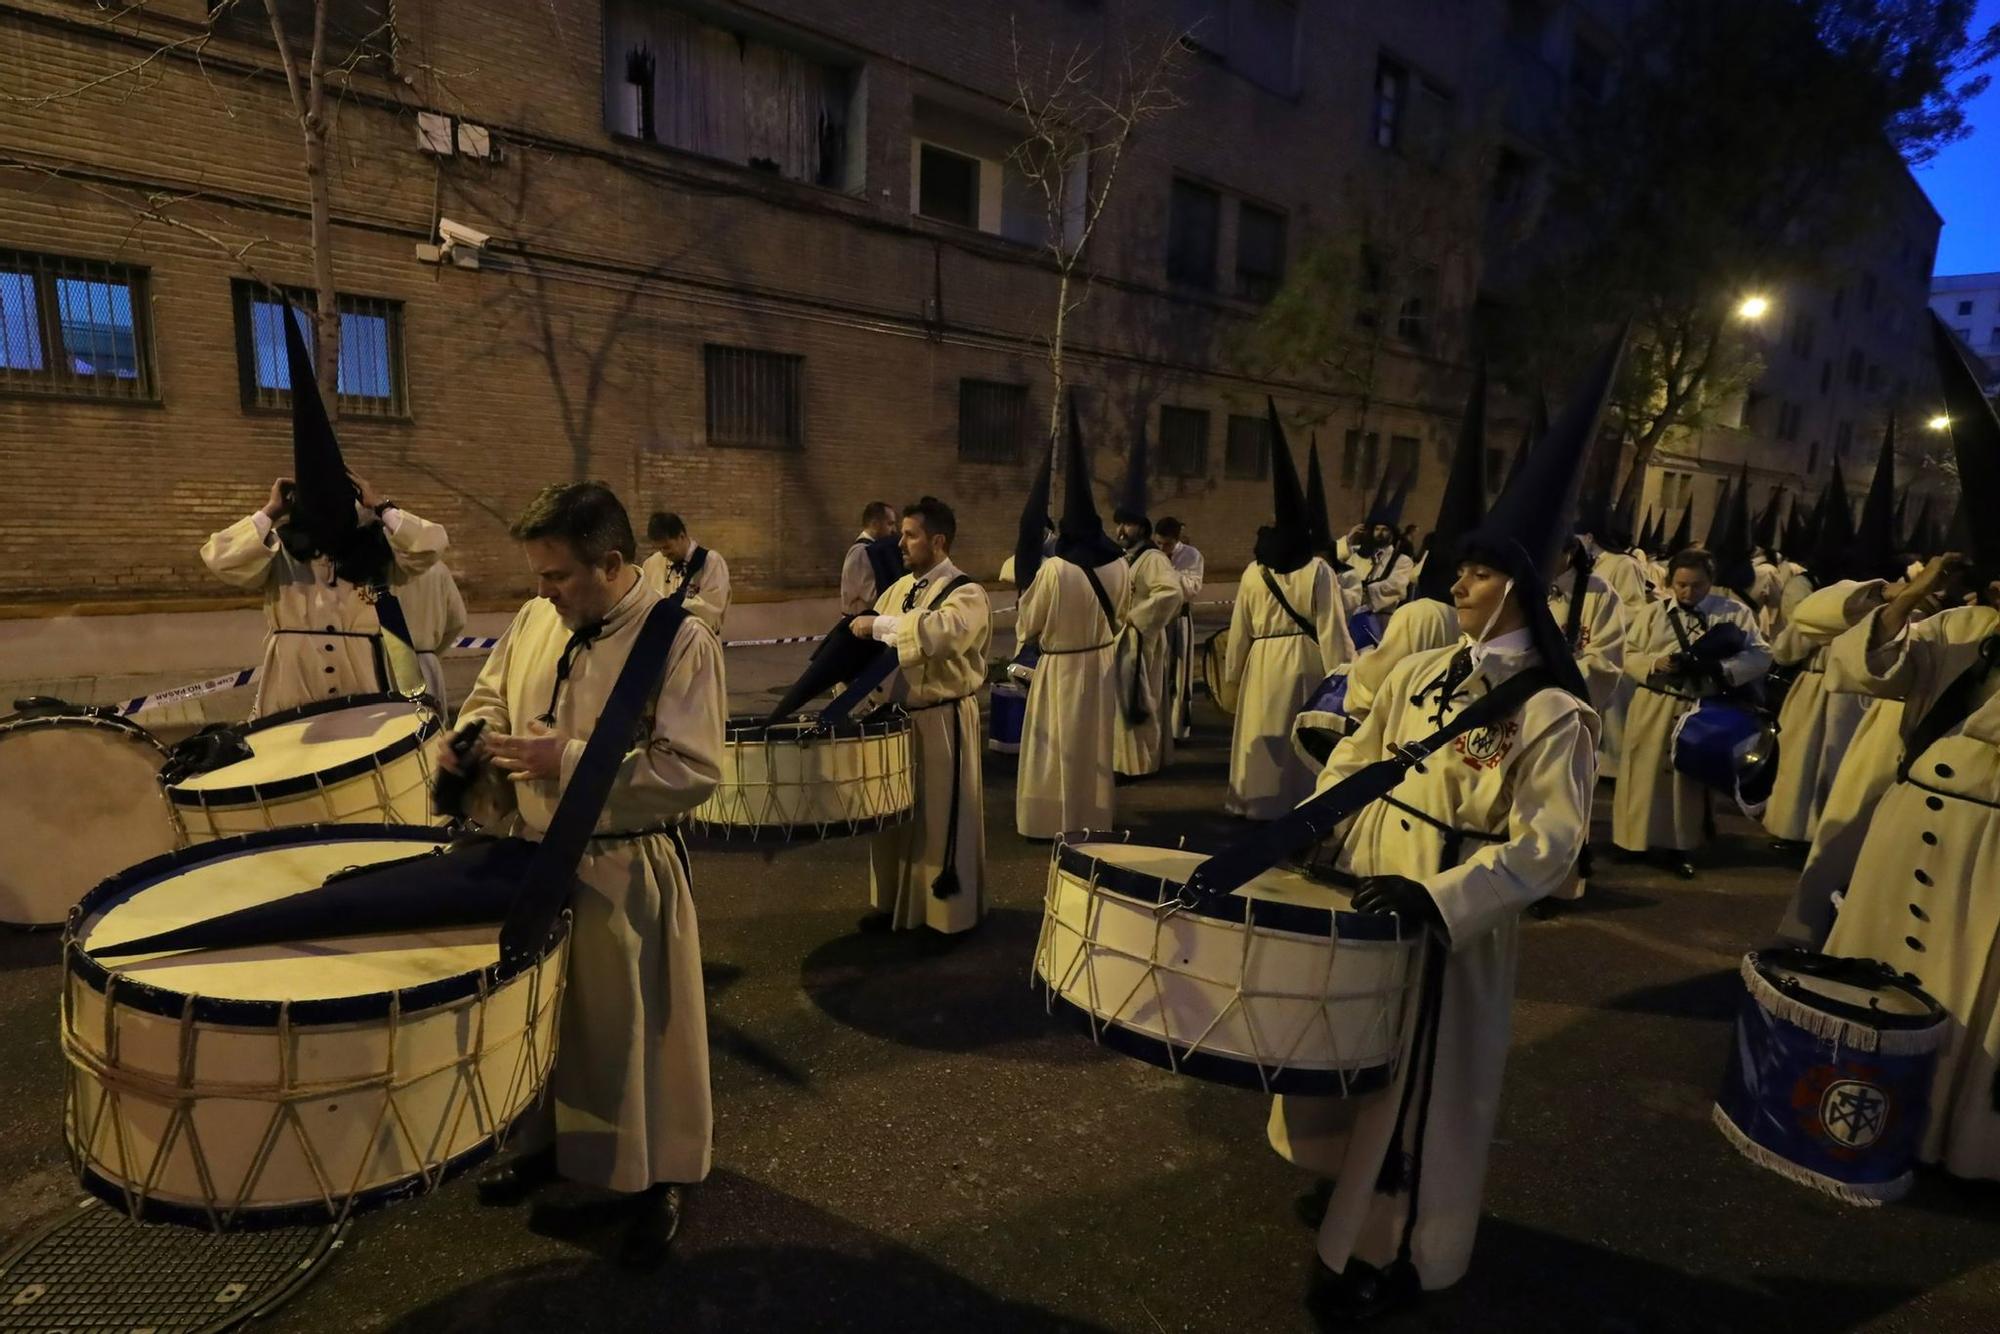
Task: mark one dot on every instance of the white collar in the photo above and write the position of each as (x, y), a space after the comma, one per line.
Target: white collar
(941, 573)
(1513, 642)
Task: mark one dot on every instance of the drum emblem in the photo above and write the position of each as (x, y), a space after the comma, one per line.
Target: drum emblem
(1486, 747)
(1854, 1113)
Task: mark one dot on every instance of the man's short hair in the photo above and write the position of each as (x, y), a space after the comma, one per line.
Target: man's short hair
(587, 515)
(1694, 558)
(878, 510)
(1169, 528)
(664, 525)
(936, 516)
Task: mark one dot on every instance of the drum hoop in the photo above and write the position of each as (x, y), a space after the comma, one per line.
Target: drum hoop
(278, 789)
(722, 831)
(804, 731)
(1236, 1072)
(235, 1012)
(1151, 890)
(1767, 962)
(124, 726)
(251, 1218)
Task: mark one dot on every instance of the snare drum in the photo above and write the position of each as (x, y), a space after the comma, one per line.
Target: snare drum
(356, 759)
(1726, 746)
(1010, 715)
(1214, 660)
(808, 780)
(283, 1084)
(1365, 628)
(1280, 986)
(1319, 726)
(80, 799)
(1829, 1078)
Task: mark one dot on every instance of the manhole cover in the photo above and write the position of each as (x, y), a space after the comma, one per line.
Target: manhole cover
(94, 1270)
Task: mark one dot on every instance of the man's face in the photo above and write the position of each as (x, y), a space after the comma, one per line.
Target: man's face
(1165, 543)
(921, 551)
(1480, 595)
(880, 526)
(1130, 535)
(1382, 535)
(580, 592)
(1690, 585)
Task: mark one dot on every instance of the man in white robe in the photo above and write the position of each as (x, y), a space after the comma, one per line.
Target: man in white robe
(1633, 582)
(1170, 534)
(1379, 571)
(628, 1104)
(858, 575)
(435, 611)
(681, 566)
(1657, 809)
(1815, 724)
(325, 638)
(931, 870)
(1142, 740)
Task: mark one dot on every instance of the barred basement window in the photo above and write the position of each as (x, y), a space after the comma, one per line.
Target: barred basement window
(75, 328)
(371, 350)
(992, 421)
(1183, 442)
(756, 399)
(1247, 455)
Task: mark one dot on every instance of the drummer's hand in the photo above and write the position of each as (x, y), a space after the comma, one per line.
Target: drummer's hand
(370, 497)
(1399, 895)
(862, 626)
(526, 759)
(447, 758)
(275, 507)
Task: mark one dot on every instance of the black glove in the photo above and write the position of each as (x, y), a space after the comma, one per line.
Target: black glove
(1399, 895)
(1680, 664)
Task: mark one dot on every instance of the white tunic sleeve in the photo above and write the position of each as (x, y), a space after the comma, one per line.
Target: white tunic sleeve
(710, 599)
(1336, 645)
(416, 542)
(241, 554)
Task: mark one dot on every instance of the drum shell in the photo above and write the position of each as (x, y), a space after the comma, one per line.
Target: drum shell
(1010, 716)
(391, 786)
(240, 1114)
(1365, 628)
(70, 830)
(1728, 747)
(791, 781)
(1251, 1004)
(1214, 657)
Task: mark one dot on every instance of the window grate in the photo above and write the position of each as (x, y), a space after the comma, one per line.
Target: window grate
(74, 328)
(756, 399)
(371, 381)
(1183, 441)
(992, 421)
(1247, 455)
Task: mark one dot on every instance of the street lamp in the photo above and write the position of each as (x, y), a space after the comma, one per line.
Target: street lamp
(1939, 422)
(1753, 307)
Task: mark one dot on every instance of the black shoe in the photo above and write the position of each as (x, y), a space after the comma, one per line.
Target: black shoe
(1311, 1206)
(649, 1236)
(876, 923)
(1362, 1294)
(1682, 867)
(517, 1178)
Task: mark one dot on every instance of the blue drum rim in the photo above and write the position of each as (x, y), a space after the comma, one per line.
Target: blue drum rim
(1801, 961)
(1213, 1068)
(285, 1215)
(236, 1012)
(428, 726)
(805, 729)
(1151, 890)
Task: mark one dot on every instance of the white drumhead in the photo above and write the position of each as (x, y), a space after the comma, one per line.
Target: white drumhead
(1889, 1000)
(79, 801)
(313, 745)
(301, 970)
(1177, 864)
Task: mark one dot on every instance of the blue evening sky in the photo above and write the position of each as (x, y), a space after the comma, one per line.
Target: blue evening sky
(1964, 180)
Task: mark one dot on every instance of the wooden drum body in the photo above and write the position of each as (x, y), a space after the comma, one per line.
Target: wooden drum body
(805, 780)
(80, 799)
(281, 1084)
(356, 759)
(1277, 987)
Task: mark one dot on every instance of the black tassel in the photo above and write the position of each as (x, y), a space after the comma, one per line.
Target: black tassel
(1394, 1178)
(946, 885)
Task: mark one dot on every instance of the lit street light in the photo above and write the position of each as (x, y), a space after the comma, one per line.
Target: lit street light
(1939, 422)
(1754, 307)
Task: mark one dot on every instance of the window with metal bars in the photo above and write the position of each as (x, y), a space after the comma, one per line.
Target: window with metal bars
(1247, 455)
(1183, 441)
(992, 421)
(371, 350)
(74, 328)
(756, 399)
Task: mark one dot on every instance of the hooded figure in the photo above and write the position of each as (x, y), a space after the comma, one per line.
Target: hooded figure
(1798, 535)
(1457, 851)
(1378, 579)
(326, 568)
(1719, 518)
(1319, 526)
(1683, 531)
(1073, 610)
(1921, 897)
(1427, 620)
(1833, 543)
(1035, 535)
(1538, 426)
(1877, 550)
(1287, 632)
(1657, 808)
(1142, 737)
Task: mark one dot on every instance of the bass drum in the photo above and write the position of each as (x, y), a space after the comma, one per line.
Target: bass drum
(80, 799)
(1214, 657)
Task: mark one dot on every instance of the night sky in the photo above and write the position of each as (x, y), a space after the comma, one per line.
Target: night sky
(1964, 180)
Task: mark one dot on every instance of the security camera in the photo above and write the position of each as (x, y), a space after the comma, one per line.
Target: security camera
(457, 233)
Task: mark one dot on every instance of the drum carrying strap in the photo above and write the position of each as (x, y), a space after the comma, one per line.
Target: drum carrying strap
(530, 926)
(1306, 627)
(884, 662)
(1573, 623)
(1951, 708)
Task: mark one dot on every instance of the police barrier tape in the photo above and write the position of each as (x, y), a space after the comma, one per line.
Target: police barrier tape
(215, 685)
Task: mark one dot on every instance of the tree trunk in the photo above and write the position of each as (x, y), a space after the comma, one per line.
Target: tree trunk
(1056, 336)
(326, 363)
